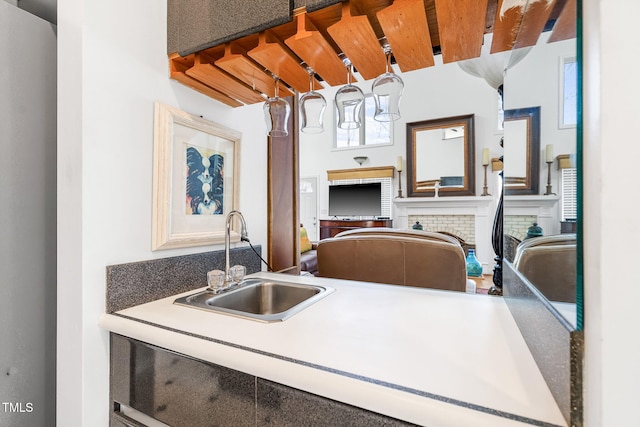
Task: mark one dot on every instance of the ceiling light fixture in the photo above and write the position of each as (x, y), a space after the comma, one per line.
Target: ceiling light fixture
(492, 67)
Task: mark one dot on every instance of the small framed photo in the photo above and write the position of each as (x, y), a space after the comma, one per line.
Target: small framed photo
(195, 179)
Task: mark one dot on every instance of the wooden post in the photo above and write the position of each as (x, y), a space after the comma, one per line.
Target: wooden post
(283, 222)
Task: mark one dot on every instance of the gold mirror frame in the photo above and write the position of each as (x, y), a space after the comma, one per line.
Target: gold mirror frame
(417, 187)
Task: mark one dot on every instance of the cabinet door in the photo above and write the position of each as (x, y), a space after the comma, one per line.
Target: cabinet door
(177, 390)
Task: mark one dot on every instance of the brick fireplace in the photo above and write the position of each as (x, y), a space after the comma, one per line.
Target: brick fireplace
(461, 226)
(471, 218)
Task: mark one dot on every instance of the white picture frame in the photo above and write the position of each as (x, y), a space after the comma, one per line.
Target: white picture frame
(195, 179)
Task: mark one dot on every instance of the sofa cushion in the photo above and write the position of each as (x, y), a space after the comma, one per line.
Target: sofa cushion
(305, 243)
(549, 262)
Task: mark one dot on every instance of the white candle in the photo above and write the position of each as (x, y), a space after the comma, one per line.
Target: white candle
(399, 163)
(485, 156)
(549, 153)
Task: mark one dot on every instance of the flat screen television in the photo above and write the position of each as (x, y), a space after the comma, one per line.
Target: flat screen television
(355, 200)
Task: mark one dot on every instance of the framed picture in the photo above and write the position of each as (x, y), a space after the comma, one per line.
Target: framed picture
(195, 180)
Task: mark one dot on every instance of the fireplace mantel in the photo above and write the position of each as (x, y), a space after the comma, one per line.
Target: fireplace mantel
(471, 203)
(532, 201)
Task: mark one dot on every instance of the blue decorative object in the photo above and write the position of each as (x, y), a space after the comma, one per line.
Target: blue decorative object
(417, 226)
(474, 268)
(534, 231)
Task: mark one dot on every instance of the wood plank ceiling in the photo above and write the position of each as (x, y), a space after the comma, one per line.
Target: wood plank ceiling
(241, 71)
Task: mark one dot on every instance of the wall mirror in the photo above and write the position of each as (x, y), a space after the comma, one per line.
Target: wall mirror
(440, 157)
(441, 91)
(522, 151)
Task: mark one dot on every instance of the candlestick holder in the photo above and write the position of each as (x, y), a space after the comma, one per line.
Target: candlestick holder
(399, 184)
(549, 192)
(485, 188)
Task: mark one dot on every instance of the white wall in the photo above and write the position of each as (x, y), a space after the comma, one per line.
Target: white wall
(534, 81)
(612, 229)
(113, 66)
(27, 218)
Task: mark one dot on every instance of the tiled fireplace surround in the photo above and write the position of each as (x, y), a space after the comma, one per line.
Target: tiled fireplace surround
(471, 218)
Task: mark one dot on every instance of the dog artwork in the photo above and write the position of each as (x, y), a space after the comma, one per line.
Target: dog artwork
(204, 181)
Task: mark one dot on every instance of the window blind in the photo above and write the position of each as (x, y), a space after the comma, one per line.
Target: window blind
(569, 194)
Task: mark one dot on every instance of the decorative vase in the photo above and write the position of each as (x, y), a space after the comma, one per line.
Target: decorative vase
(474, 268)
(534, 231)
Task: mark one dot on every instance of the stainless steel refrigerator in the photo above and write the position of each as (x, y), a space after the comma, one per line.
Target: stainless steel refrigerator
(27, 218)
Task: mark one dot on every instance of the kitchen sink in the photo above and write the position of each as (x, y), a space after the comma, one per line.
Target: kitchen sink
(259, 299)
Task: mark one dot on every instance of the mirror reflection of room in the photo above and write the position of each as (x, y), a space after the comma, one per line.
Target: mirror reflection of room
(445, 90)
(539, 229)
(430, 93)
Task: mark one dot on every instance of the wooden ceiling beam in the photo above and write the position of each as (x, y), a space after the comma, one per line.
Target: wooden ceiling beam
(432, 22)
(311, 46)
(370, 8)
(358, 41)
(272, 54)
(207, 73)
(411, 49)
(179, 65)
(240, 71)
(533, 22)
(565, 26)
(461, 27)
(243, 68)
(507, 24)
(490, 18)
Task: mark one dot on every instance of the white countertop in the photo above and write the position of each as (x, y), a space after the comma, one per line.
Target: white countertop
(429, 357)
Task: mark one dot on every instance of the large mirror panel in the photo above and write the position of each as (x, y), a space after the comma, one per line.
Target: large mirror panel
(540, 214)
(541, 79)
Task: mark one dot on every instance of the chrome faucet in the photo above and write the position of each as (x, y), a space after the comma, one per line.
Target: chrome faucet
(244, 237)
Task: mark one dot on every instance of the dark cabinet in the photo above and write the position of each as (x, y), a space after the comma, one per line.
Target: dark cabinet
(148, 381)
(331, 227)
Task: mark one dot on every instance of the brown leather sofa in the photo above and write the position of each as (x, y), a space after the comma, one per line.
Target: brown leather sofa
(392, 256)
(309, 260)
(399, 232)
(549, 263)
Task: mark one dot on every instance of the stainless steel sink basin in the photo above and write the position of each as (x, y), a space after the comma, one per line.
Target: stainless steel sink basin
(259, 299)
